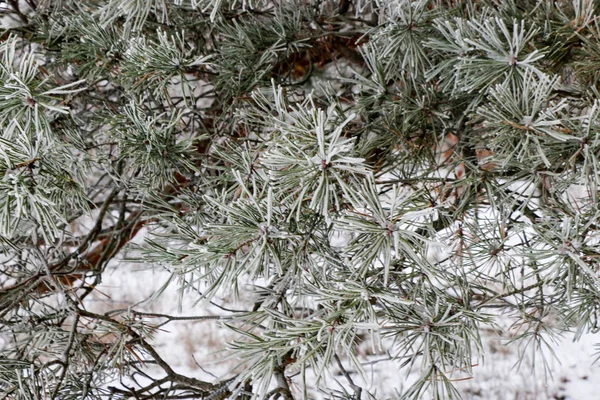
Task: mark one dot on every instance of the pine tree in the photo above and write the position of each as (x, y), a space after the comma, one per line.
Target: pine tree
(401, 172)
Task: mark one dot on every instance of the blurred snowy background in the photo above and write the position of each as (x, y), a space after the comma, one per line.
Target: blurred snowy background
(198, 348)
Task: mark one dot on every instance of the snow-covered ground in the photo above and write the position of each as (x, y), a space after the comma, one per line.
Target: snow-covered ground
(198, 348)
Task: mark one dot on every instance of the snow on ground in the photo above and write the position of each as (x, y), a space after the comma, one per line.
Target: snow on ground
(187, 345)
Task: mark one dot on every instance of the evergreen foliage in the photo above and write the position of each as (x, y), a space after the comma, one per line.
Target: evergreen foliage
(401, 172)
